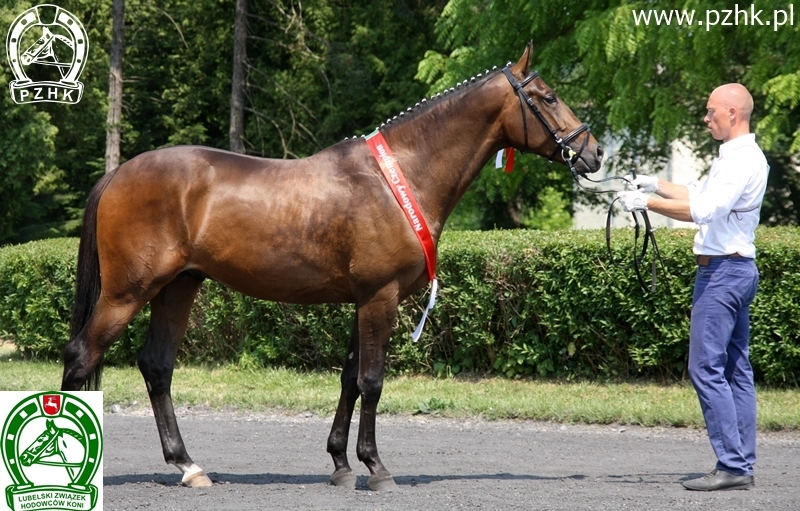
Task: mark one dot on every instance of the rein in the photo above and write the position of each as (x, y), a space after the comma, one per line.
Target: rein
(649, 233)
(570, 157)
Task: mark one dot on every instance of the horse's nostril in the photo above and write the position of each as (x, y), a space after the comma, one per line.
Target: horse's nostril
(600, 152)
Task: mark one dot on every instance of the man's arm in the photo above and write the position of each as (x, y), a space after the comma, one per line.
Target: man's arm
(672, 191)
(671, 207)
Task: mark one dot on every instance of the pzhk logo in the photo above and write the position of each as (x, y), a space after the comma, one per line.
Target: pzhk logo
(52, 446)
(47, 58)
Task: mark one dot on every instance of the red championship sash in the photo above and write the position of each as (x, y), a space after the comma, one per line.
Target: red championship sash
(405, 197)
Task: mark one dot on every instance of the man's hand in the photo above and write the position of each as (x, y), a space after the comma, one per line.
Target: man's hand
(632, 200)
(647, 184)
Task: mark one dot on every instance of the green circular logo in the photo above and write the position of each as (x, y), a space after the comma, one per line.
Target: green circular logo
(52, 446)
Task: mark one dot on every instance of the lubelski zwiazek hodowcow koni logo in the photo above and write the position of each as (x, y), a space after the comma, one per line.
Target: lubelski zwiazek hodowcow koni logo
(52, 446)
(46, 48)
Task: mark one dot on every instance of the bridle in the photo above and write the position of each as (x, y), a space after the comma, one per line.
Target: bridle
(568, 154)
(570, 157)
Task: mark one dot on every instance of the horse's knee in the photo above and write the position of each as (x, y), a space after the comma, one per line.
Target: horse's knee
(370, 388)
(158, 377)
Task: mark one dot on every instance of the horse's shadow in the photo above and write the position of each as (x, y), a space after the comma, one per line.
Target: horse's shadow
(222, 478)
(306, 479)
(218, 478)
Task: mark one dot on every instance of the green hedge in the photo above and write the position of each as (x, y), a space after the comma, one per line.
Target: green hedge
(512, 302)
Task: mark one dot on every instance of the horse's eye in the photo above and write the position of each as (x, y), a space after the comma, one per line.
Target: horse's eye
(551, 99)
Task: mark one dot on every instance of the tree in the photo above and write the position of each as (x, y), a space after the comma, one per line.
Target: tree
(328, 69)
(237, 78)
(115, 86)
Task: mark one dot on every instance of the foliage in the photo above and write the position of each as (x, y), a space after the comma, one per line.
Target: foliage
(516, 303)
(40, 142)
(36, 295)
(642, 85)
(320, 70)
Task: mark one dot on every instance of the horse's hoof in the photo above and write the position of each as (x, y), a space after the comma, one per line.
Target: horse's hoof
(344, 477)
(381, 483)
(197, 480)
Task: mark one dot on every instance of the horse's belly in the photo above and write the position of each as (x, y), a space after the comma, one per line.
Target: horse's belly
(281, 282)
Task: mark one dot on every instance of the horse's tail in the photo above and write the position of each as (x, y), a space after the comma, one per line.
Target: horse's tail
(87, 282)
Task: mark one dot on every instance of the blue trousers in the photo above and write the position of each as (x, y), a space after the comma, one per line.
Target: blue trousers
(719, 363)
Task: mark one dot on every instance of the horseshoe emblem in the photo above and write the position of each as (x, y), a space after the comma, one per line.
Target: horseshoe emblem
(46, 37)
(52, 447)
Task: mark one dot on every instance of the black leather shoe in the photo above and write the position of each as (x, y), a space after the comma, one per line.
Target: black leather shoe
(720, 480)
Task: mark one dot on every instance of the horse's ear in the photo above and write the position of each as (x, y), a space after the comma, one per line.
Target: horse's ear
(522, 67)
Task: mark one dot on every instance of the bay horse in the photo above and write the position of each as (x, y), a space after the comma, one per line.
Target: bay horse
(322, 229)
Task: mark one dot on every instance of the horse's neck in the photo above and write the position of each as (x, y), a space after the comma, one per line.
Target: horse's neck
(443, 149)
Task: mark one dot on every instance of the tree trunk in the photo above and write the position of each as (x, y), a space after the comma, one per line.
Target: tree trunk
(115, 87)
(237, 81)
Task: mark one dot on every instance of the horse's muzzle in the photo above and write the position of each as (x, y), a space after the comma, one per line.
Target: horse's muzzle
(590, 160)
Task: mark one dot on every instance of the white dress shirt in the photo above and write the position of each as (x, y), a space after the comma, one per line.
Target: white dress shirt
(727, 205)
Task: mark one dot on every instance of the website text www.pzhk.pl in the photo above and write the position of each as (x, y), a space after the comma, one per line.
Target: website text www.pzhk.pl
(737, 16)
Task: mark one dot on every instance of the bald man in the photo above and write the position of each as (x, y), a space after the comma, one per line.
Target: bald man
(726, 207)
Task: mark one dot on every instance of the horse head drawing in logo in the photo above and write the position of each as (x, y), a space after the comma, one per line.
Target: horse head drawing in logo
(46, 48)
(52, 448)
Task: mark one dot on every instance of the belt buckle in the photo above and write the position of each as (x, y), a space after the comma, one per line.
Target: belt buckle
(703, 260)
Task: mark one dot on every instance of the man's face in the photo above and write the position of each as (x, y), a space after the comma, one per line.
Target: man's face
(717, 118)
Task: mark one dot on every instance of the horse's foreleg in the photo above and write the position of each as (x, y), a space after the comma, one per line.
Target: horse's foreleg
(340, 431)
(169, 317)
(375, 321)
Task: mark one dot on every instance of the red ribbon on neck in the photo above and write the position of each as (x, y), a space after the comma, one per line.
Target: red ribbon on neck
(405, 197)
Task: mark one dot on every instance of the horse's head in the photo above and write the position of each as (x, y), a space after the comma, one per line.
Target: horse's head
(536, 120)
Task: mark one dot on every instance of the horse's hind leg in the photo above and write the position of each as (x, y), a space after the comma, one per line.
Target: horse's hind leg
(340, 431)
(169, 316)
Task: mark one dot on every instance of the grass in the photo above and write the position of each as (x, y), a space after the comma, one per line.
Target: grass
(229, 387)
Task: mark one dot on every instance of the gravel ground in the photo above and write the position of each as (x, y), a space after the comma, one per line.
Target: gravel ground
(275, 462)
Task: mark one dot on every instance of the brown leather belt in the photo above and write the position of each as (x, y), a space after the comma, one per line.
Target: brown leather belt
(704, 260)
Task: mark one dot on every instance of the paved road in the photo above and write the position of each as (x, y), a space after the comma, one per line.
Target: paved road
(274, 462)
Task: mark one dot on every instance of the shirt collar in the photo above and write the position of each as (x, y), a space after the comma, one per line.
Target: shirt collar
(736, 143)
